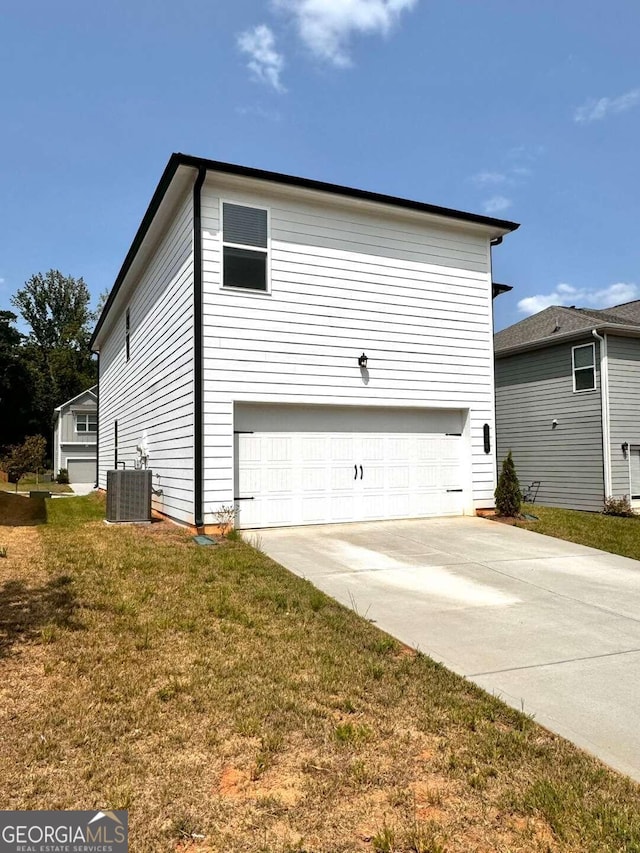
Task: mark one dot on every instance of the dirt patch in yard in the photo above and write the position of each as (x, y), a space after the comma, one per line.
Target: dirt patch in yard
(18, 510)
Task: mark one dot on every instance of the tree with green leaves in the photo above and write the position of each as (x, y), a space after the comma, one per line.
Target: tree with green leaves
(15, 383)
(25, 458)
(56, 310)
(508, 495)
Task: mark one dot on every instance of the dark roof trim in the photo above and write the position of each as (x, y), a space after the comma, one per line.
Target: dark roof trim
(498, 289)
(177, 160)
(147, 219)
(337, 189)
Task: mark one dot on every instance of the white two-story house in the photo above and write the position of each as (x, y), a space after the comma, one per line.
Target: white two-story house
(305, 352)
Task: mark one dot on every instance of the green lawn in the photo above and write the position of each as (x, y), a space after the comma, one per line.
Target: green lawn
(231, 706)
(25, 486)
(607, 532)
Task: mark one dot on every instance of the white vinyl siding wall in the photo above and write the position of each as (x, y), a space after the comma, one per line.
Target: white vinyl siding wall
(345, 279)
(151, 395)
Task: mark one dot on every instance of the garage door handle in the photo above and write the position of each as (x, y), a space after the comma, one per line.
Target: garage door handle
(361, 472)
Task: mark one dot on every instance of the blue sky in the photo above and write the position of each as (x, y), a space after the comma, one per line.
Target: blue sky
(529, 111)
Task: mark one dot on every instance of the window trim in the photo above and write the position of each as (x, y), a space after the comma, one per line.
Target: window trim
(86, 415)
(574, 369)
(231, 288)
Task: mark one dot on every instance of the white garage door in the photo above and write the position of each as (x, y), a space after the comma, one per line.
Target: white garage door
(316, 465)
(81, 470)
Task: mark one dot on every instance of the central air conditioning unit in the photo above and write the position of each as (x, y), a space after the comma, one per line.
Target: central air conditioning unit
(129, 495)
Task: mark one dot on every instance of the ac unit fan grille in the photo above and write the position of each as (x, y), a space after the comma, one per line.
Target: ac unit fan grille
(129, 495)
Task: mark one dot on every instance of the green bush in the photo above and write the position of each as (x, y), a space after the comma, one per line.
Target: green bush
(63, 477)
(508, 495)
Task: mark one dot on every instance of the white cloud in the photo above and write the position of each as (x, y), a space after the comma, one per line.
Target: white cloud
(522, 171)
(485, 178)
(496, 204)
(567, 294)
(265, 62)
(596, 110)
(259, 112)
(326, 26)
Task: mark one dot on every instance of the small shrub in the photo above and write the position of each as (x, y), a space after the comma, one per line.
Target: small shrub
(618, 506)
(3, 552)
(508, 495)
(225, 518)
(384, 841)
(350, 733)
(63, 477)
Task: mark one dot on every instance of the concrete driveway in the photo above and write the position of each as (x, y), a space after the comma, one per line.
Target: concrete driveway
(551, 627)
(82, 488)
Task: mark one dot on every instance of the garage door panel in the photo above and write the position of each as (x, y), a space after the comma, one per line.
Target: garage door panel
(251, 448)
(314, 510)
(427, 476)
(277, 449)
(341, 508)
(314, 479)
(342, 449)
(313, 449)
(249, 481)
(372, 449)
(375, 477)
(450, 476)
(81, 470)
(343, 477)
(324, 476)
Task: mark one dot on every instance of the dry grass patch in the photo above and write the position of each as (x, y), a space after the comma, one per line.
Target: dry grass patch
(230, 706)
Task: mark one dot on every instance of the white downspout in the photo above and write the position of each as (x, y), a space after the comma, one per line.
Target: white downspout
(606, 421)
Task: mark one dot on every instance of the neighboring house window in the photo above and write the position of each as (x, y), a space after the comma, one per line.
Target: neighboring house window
(127, 331)
(584, 368)
(244, 247)
(86, 423)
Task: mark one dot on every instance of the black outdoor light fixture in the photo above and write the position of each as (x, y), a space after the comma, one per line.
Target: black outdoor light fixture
(625, 447)
(362, 360)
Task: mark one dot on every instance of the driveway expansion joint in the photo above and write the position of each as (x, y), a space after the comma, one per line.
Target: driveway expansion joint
(553, 663)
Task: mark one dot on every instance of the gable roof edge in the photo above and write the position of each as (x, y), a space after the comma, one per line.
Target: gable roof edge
(90, 390)
(177, 159)
(550, 340)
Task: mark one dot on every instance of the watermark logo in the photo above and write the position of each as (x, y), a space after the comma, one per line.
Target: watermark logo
(64, 832)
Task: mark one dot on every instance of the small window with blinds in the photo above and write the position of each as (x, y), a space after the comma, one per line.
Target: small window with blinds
(244, 247)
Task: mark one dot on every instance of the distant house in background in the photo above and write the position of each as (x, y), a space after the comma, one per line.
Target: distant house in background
(75, 428)
(568, 403)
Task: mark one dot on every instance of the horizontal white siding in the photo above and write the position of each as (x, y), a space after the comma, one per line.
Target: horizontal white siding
(151, 395)
(415, 296)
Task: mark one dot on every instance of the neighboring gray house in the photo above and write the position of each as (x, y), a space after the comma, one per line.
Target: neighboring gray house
(75, 428)
(568, 403)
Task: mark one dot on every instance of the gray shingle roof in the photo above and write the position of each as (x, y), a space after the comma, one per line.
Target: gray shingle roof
(558, 320)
